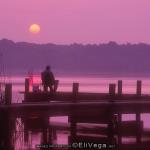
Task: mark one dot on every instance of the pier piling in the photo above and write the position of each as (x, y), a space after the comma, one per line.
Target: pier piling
(27, 88)
(139, 88)
(27, 84)
(112, 89)
(119, 87)
(138, 122)
(8, 94)
(75, 91)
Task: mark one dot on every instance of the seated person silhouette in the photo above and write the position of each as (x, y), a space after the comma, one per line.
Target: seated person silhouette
(48, 79)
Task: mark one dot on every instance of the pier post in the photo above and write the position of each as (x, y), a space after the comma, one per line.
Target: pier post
(27, 85)
(73, 123)
(8, 94)
(139, 88)
(119, 120)
(139, 126)
(73, 128)
(75, 91)
(27, 88)
(119, 87)
(112, 89)
(6, 129)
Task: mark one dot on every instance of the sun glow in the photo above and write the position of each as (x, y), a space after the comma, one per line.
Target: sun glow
(34, 28)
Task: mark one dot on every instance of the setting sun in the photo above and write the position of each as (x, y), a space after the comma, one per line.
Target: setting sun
(34, 28)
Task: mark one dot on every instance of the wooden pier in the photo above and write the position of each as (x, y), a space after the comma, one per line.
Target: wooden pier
(100, 108)
(115, 93)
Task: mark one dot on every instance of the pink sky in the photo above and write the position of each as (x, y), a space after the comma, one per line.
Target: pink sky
(80, 21)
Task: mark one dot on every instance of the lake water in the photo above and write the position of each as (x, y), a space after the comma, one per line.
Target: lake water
(87, 84)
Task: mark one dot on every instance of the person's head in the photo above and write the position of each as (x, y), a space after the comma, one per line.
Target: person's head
(48, 68)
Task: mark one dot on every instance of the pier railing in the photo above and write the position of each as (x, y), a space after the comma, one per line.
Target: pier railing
(113, 88)
(115, 91)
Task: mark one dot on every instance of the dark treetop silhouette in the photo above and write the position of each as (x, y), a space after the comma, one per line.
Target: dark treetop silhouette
(110, 57)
